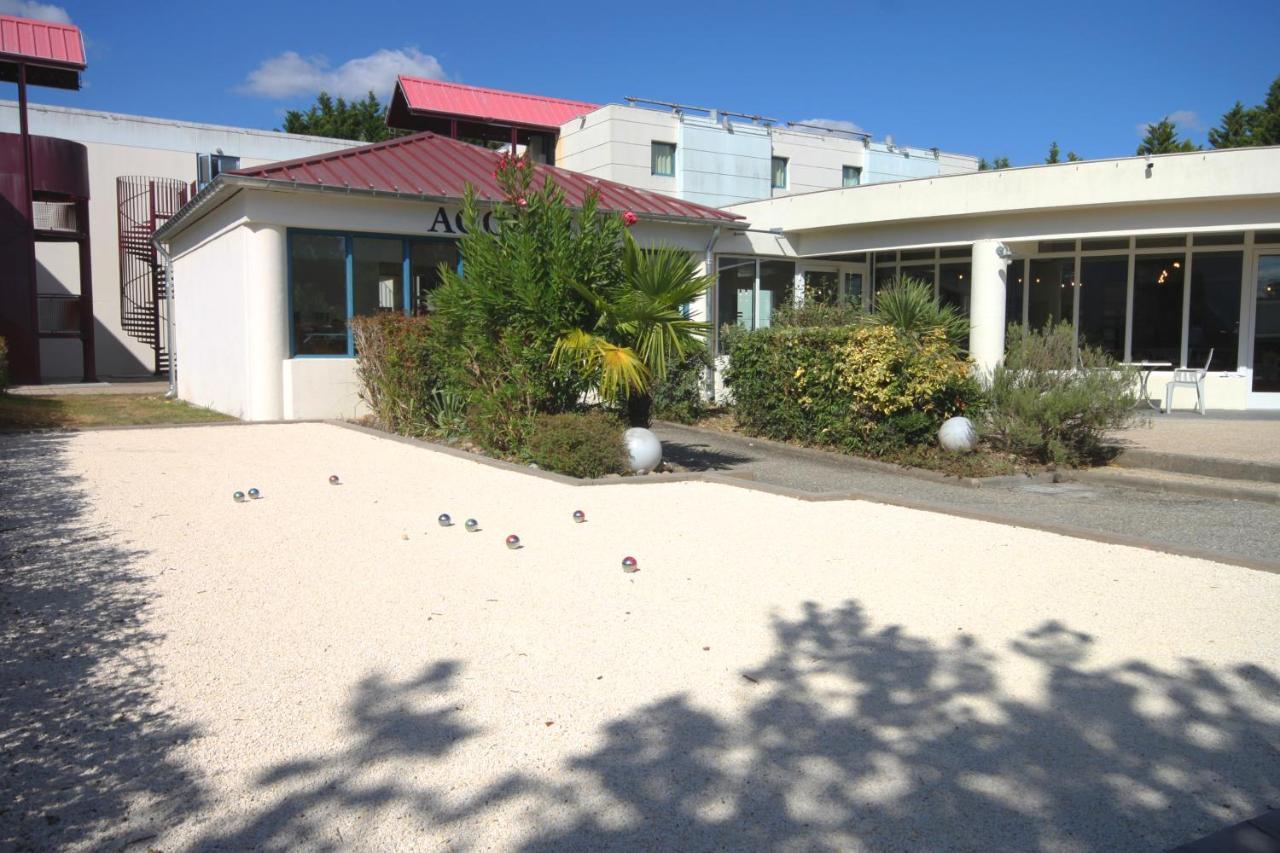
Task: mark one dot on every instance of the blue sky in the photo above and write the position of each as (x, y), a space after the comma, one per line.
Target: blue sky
(981, 78)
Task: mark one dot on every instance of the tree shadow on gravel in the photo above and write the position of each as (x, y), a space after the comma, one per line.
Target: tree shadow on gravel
(86, 751)
(865, 739)
(312, 798)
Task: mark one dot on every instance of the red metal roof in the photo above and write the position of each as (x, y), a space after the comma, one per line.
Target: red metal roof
(41, 42)
(487, 105)
(428, 164)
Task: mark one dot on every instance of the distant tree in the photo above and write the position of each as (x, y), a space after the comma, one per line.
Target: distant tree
(983, 165)
(1162, 138)
(1054, 151)
(1266, 118)
(1236, 129)
(1000, 163)
(1073, 157)
(362, 120)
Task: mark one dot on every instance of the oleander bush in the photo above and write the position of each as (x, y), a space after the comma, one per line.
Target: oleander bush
(586, 444)
(4, 366)
(402, 363)
(1050, 403)
(870, 389)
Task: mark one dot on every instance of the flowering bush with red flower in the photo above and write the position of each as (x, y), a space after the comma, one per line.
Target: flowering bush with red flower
(629, 218)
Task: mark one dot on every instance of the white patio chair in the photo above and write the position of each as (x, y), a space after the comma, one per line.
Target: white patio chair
(1188, 377)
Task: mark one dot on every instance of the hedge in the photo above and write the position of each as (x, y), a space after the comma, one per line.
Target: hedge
(865, 389)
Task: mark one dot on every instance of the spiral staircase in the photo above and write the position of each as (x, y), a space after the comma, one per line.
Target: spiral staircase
(144, 204)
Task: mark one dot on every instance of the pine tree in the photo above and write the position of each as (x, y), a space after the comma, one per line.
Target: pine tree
(1236, 130)
(1000, 163)
(1054, 151)
(1266, 118)
(1073, 157)
(983, 165)
(363, 120)
(1162, 138)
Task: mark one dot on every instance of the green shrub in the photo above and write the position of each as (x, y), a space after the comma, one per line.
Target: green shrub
(401, 362)
(681, 395)
(580, 445)
(814, 315)
(1049, 404)
(909, 306)
(867, 389)
(4, 366)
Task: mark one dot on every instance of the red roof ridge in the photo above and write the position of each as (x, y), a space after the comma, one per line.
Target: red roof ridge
(489, 90)
(447, 176)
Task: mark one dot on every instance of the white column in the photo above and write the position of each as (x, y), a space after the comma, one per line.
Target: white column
(266, 308)
(986, 304)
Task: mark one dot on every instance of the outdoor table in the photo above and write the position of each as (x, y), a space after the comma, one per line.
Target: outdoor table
(1145, 369)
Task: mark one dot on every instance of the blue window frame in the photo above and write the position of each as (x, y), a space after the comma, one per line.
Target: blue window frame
(391, 272)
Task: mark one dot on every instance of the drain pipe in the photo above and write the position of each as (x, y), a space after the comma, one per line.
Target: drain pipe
(163, 252)
(708, 268)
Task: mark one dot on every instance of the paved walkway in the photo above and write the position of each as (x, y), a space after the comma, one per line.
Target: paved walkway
(1239, 436)
(123, 386)
(1235, 529)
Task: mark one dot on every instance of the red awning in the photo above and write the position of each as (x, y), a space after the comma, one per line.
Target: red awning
(53, 53)
(421, 98)
(435, 166)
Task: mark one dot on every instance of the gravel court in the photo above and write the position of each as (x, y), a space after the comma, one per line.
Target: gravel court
(779, 674)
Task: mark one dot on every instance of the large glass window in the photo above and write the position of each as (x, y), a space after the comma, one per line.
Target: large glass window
(853, 288)
(1104, 286)
(425, 258)
(922, 273)
(953, 286)
(1157, 308)
(777, 279)
(377, 275)
(1214, 316)
(662, 159)
(1266, 325)
(1051, 292)
(318, 293)
(1015, 275)
(821, 287)
(735, 292)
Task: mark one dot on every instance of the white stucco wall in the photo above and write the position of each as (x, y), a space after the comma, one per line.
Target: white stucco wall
(120, 145)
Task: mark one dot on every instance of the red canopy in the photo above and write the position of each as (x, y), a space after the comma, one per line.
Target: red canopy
(53, 53)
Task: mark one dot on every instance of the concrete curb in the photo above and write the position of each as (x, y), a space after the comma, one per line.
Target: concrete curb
(1200, 466)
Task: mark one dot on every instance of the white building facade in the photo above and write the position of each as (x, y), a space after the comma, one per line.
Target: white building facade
(163, 154)
(719, 159)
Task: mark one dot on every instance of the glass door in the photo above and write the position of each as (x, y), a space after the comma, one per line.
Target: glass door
(1266, 333)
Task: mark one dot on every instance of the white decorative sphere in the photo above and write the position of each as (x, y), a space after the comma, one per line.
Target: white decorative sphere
(957, 435)
(644, 449)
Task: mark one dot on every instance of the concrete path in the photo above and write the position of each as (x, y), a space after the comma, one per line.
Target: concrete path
(1238, 436)
(1233, 528)
(124, 386)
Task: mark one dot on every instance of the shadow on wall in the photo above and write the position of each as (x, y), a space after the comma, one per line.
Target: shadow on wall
(84, 747)
(858, 739)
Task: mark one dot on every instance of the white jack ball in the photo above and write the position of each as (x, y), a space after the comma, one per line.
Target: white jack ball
(643, 448)
(958, 435)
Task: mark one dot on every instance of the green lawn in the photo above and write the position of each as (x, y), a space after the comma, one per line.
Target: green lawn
(71, 411)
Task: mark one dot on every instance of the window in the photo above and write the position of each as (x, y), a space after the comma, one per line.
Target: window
(318, 293)
(1051, 291)
(778, 173)
(1214, 316)
(59, 314)
(777, 282)
(662, 159)
(821, 287)
(1157, 308)
(335, 276)
(209, 166)
(851, 176)
(1104, 287)
(953, 286)
(743, 283)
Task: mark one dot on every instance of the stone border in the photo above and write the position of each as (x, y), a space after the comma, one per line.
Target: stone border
(1236, 490)
(1199, 466)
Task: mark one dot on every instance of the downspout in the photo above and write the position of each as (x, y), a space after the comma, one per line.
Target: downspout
(708, 265)
(163, 253)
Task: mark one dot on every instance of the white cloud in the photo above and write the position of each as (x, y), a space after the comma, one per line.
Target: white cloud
(1184, 120)
(833, 124)
(290, 74)
(31, 9)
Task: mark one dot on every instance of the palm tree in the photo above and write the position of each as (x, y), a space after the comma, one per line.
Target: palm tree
(909, 305)
(640, 328)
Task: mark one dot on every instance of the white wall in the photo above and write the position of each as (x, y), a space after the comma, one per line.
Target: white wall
(120, 145)
(210, 280)
(816, 161)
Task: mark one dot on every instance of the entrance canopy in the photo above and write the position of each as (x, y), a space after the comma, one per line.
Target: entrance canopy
(52, 53)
